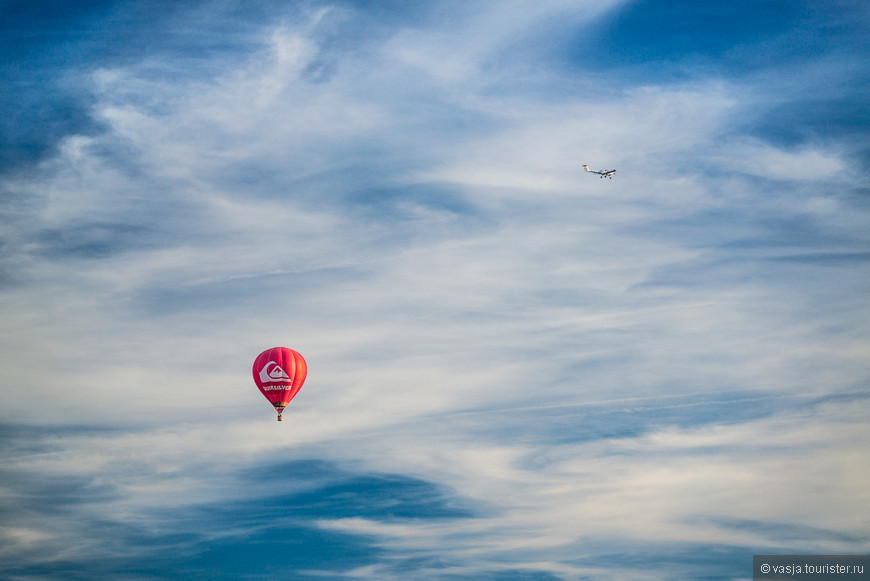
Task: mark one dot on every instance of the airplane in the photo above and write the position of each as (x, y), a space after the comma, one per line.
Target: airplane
(603, 173)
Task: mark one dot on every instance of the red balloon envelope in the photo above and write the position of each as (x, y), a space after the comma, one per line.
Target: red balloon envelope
(279, 372)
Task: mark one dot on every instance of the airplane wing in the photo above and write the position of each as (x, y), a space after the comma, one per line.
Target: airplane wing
(603, 173)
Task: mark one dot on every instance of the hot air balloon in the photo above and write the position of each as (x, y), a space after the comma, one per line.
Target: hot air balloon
(279, 372)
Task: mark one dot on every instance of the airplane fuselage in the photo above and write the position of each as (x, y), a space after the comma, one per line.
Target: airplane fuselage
(603, 173)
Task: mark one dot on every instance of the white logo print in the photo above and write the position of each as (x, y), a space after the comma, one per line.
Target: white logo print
(272, 372)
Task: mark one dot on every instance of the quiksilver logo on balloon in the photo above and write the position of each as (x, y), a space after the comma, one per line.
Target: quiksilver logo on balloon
(272, 373)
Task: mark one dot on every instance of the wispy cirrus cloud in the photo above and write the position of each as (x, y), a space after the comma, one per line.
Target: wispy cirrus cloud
(517, 370)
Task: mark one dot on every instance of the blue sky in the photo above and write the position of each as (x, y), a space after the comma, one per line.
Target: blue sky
(516, 370)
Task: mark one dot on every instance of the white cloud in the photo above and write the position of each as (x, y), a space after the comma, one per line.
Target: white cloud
(767, 161)
(673, 486)
(277, 208)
